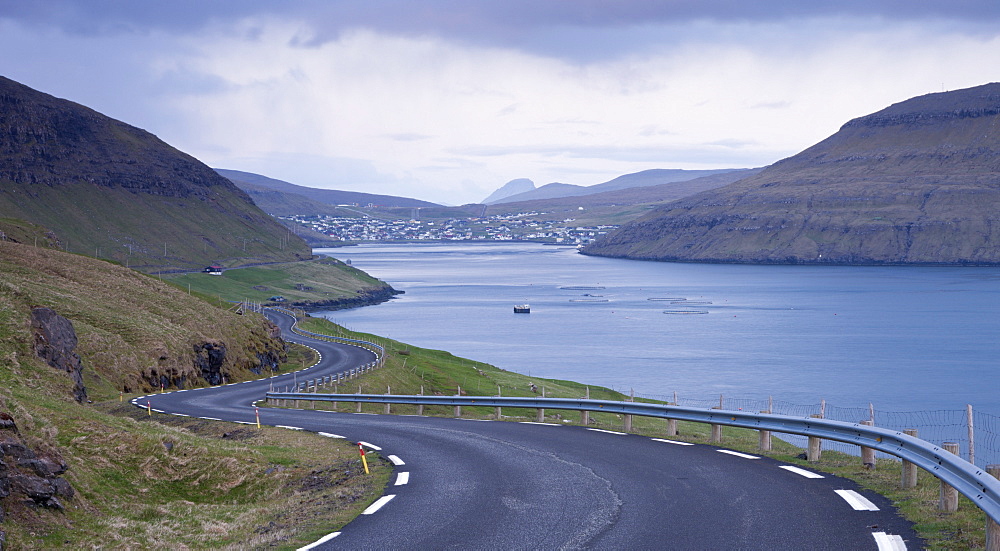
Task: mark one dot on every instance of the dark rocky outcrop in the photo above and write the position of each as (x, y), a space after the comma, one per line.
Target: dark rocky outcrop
(26, 475)
(209, 358)
(55, 342)
(915, 183)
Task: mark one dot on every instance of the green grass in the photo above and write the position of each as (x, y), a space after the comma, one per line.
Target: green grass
(411, 370)
(311, 281)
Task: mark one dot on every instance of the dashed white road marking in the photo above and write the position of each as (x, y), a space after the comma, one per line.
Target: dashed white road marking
(608, 431)
(801, 472)
(330, 435)
(288, 427)
(671, 442)
(738, 454)
(889, 542)
(318, 542)
(402, 479)
(396, 460)
(537, 423)
(210, 418)
(372, 446)
(378, 504)
(857, 501)
(180, 414)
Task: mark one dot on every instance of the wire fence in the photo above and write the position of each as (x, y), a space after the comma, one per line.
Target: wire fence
(977, 433)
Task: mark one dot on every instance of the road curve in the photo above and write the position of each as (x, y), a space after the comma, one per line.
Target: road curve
(463, 484)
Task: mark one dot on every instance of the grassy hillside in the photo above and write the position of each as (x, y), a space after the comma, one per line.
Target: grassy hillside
(915, 183)
(114, 191)
(144, 481)
(320, 283)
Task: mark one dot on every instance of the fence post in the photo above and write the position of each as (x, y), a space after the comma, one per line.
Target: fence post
(815, 448)
(765, 437)
(868, 454)
(992, 527)
(909, 475)
(540, 413)
(584, 414)
(458, 409)
(972, 435)
(949, 496)
(716, 437)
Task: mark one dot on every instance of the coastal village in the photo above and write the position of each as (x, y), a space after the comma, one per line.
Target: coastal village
(515, 227)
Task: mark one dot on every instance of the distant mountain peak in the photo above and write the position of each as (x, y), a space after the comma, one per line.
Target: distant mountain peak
(513, 187)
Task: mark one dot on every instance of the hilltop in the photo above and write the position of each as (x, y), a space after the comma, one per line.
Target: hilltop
(915, 183)
(110, 190)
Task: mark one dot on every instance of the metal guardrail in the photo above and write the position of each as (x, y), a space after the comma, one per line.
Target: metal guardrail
(972, 482)
(377, 349)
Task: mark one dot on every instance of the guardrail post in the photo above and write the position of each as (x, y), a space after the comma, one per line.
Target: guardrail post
(584, 414)
(458, 409)
(949, 496)
(868, 454)
(359, 403)
(815, 447)
(627, 421)
(540, 412)
(765, 437)
(388, 411)
(908, 477)
(992, 527)
(420, 407)
(716, 437)
(498, 413)
(671, 427)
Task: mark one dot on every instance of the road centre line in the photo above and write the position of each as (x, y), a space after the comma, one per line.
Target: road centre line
(374, 507)
(608, 431)
(857, 501)
(402, 479)
(671, 442)
(889, 542)
(801, 472)
(396, 460)
(738, 454)
(372, 446)
(318, 542)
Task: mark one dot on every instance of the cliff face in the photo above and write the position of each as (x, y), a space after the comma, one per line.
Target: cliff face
(915, 183)
(55, 342)
(114, 191)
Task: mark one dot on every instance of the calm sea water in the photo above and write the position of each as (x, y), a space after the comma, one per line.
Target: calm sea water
(903, 338)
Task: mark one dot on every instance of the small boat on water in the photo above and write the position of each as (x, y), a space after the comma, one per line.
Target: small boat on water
(522, 309)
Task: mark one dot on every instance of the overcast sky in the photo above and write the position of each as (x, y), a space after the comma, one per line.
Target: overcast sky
(446, 100)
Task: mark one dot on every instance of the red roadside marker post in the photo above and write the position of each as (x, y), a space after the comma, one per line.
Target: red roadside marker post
(257, 412)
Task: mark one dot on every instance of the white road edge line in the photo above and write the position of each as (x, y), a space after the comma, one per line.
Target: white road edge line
(537, 423)
(374, 507)
(671, 442)
(738, 454)
(801, 472)
(608, 431)
(330, 435)
(889, 542)
(288, 427)
(396, 460)
(372, 446)
(320, 541)
(210, 418)
(402, 479)
(857, 501)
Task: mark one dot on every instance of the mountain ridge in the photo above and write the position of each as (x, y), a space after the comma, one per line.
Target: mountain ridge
(915, 183)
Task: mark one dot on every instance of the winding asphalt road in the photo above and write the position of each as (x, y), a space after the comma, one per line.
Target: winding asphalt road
(462, 484)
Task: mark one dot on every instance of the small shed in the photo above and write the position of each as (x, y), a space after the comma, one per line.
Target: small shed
(213, 270)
